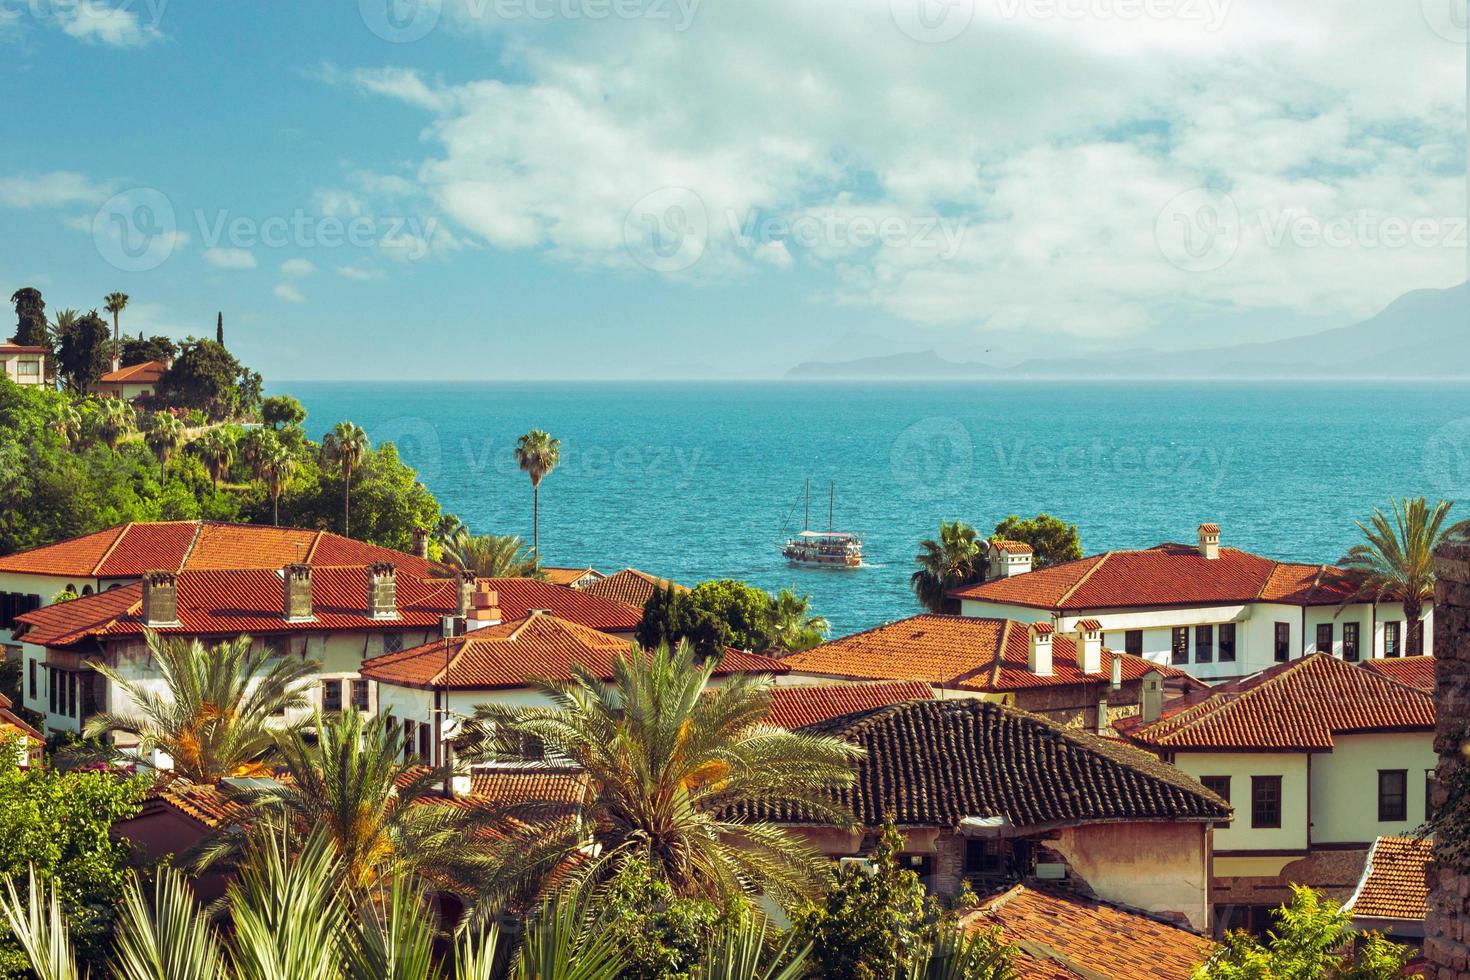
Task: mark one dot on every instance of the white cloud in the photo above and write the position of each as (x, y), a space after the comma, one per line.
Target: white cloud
(359, 273)
(288, 293)
(230, 258)
(97, 22)
(297, 268)
(54, 189)
(1053, 144)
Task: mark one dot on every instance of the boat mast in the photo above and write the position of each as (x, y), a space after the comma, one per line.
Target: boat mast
(806, 514)
(831, 499)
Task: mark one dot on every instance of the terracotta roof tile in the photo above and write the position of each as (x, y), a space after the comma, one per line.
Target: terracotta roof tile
(1413, 671)
(794, 706)
(934, 763)
(1014, 547)
(148, 372)
(630, 586)
(1061, 936)
(1297, 706)
(11, 721)
(959, 651)
(520, 652)
(1395, 882)
(10, 348)
(566, 576)
(1166, 575)
(229, 602)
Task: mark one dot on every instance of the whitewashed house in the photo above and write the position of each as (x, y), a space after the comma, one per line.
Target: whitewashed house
(1219, 613)
(24, 365)
(1318, 757)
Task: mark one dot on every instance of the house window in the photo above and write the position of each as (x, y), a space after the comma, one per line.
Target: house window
(33, 679)
(1416, 638)
(1204, 644)
(1133, 642)
(392, 642)
(1227, 643)
(1391, 639)
(408, 739)
(1220, 786)
(983, 857)
(1428, 795)
(425, 748)
(1324, 637)
(360, 694)
(1265, 801)
(1393, 795)
(30, 369)
(1283, 642)
(332, 694)
(51, 688)
(1180, 645)
(1350, 641)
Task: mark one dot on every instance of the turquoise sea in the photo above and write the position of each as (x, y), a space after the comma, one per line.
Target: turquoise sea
(702, 480)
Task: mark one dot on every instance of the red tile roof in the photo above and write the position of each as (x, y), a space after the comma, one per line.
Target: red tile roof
(1060, 935)
(1296, 706)
(520, 652)
(9, 348)
(1395, 883)
(229, 602)
(149, 372)
(631, 586)
(1166, 575)
(1014, 547)
(566, 576)
(1413, 671)
(12, 722)
(129, 550)
(967, 652)
(793, 706)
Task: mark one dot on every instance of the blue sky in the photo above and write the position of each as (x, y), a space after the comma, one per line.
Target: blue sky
(635, 188)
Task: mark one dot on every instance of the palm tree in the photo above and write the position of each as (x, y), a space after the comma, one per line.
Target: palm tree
(115, 421)
(216, 450)
(1396, 559)
(68, 424)
(671, 764)
(955, 559)
(115, 304)
(215, 713)
(164, 435)
(355, 780)
(793, 627)
(537, 454)
(344, 447)
(275, 466)
(490, 555)
(252, 444)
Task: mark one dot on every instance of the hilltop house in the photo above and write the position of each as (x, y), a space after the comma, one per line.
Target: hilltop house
(1218, 613)
(24, 365)
(1072, 679)
(338, 616)
(131, 382)
(996, 796)
(122, 555)
(1319, 757)
(433, 686)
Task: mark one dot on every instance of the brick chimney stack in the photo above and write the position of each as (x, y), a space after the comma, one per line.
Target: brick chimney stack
(382, 598)
(485, 611)
(1446, 937)
(465, 602)
(160, 599)
(296, 580)
(421, 542)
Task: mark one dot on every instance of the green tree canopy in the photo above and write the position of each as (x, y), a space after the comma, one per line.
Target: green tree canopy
(84, 353)
(712, 616)
(952, 560)
(207, 377)
(30, 311)
(138, 350)
(279, 411)
(1052, 540)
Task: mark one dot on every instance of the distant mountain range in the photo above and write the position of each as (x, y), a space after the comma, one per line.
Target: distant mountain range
(1422, 334)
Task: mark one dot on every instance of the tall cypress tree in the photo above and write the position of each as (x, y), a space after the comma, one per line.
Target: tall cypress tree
(30, 310)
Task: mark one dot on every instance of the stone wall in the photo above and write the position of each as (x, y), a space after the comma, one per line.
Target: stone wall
(1447, 929)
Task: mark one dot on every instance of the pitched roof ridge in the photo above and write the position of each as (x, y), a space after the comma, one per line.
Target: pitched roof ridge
(311, 550)
(193, 542)
(1102, 560)
(122, 532)
(443, 674)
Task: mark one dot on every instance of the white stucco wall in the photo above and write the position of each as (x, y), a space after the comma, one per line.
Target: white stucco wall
(1240, 767)
(1345, 785)
(1159, 867)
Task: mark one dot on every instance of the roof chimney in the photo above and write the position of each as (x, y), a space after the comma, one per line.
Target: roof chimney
(116, 364)
(421, 542)
(465, 601)
(1209, 541)
(297, 582)
(1008, 558)
(382, 590)
(1102, 726)
(485, 611)
(160, 599)
(1116, 681)
(1039, 657)
(1151, 697)
(1087, 639)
